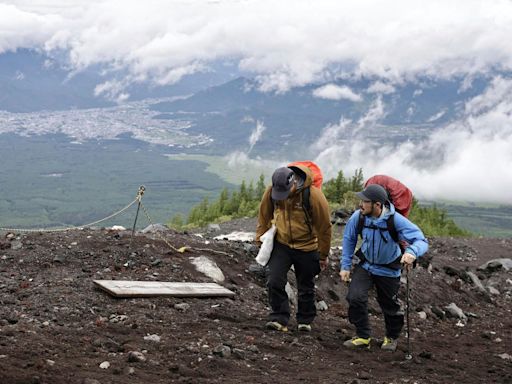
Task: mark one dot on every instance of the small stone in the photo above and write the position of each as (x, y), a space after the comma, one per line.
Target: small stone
(51, 363)
(105, 365)
(152, 338)
(253, 349)
(493, 291)
(422, 315)
(181, 306)
(438, 312)
(239, 353)
(222, 350)
(135, 357)
(505, 356)
(321, 306)
(129, 371)
(59, 259)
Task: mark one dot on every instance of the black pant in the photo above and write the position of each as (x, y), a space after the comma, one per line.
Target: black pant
(307, 266)
(387, 297)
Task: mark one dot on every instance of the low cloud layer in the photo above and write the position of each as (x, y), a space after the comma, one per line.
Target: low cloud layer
(469, 159)
(284, 44)
(298, 42)
(336, 92)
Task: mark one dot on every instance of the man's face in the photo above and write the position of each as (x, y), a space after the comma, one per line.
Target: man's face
(367, 208)
(293, 188)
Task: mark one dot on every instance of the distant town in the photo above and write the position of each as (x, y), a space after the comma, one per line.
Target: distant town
(134, 118)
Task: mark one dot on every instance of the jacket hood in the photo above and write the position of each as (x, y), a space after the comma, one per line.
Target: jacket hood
(390, 211)
(303, 172)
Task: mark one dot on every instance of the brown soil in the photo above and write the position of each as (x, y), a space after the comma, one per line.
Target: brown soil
(56, 327)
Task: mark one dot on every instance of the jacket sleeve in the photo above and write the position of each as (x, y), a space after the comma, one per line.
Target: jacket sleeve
(412, 234)
(265, 215)
(321, 222)
(349, 242)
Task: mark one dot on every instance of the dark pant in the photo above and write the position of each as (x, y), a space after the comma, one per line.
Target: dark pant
(387, 297)
(307, 266)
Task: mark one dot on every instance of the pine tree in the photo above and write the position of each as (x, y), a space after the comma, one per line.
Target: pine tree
(260, 187)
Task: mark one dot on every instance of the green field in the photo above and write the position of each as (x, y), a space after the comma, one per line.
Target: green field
(490, 220)
(47, 181)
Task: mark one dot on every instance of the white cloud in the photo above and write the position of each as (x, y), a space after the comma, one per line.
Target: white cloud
(437, 116)
(256, 134)
(470, 159)
(336, 92)
(165, 40)
(374, 114)
(381, 87)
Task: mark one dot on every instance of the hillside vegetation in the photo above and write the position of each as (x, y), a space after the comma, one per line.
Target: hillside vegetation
(339, 191)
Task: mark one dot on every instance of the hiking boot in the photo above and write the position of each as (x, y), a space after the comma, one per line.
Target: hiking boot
(304, 327)
(389, 344)
(274, 325)
(357, 342)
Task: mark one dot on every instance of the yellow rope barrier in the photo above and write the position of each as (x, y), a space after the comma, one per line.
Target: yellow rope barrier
(3, 229)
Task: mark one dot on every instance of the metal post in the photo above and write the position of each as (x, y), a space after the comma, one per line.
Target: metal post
(139, 198)
(408, 355)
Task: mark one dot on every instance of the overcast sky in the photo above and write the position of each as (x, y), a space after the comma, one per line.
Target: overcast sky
(292, 43)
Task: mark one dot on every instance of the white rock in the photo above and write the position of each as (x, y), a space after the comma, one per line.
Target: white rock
(208, 267)
(505, 356)
(493, 291)
(153, 338)
(153, 228)
(105, 365)
(117, 228)
(455, 311)
(237, 236)
(422, 315)
(504, 263)
(322, 306)
(51, 363)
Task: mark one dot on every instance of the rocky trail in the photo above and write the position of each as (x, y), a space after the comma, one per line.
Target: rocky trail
(56, 326)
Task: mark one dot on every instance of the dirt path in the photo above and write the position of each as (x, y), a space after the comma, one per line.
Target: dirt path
(56, 327)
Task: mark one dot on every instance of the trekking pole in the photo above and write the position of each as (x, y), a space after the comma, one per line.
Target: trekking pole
(408, 355)
(139, 199)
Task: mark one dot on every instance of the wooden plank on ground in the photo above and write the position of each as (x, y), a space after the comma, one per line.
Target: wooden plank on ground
(126, 288)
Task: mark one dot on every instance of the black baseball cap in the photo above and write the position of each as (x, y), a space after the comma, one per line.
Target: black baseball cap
(373, 192)
(282, 181)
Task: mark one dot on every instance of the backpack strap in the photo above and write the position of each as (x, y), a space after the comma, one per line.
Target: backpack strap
(390, 223)
(306, 207)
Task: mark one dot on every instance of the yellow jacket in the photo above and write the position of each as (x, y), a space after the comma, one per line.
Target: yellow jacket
(290, 219)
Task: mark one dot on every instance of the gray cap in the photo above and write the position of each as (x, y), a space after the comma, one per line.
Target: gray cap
(373, 192)
(282, 181)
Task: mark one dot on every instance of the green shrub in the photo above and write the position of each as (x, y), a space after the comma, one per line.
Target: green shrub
(340, 193)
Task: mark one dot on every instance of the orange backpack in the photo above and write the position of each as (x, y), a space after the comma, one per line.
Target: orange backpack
(318, 178)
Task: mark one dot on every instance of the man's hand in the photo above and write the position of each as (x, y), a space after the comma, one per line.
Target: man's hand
(408, 259)
(345, 276)
(323, 264)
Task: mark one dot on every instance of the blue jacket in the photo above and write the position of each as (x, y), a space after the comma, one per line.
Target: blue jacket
(376, 250)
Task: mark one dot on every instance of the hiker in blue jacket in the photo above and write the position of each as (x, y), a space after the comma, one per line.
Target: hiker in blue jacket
(380, 263)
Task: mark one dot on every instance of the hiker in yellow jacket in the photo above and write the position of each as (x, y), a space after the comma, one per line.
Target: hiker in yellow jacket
(303, 237)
